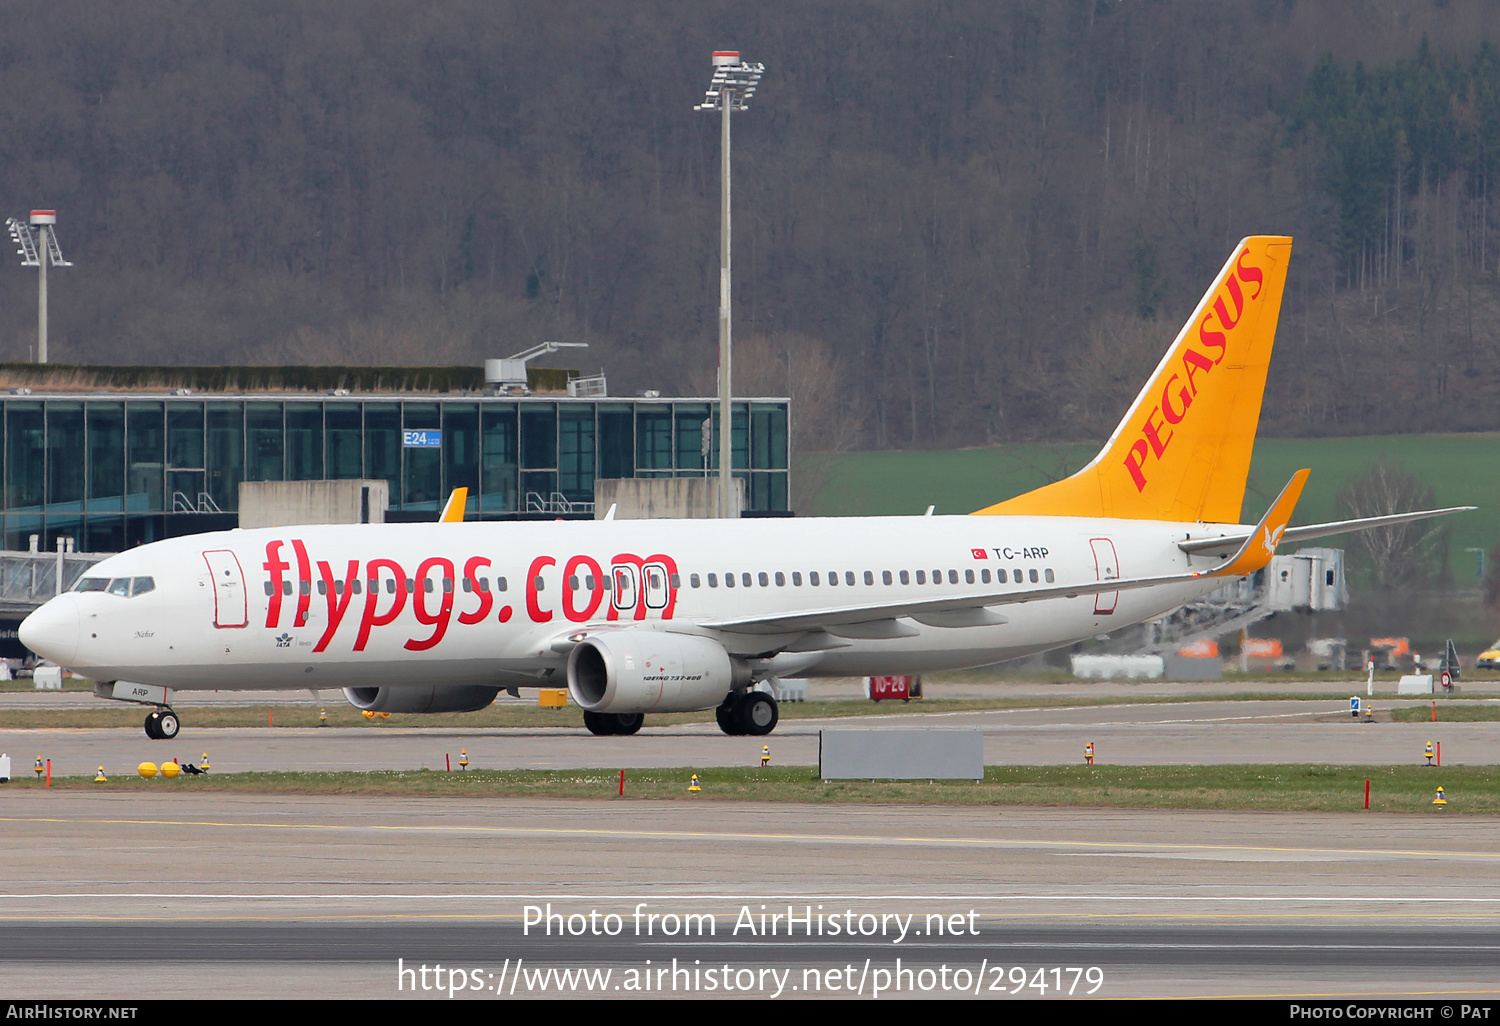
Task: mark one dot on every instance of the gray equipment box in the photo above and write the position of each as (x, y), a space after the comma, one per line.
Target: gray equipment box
(901, 754)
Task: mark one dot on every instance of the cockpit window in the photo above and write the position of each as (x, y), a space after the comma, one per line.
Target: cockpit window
(121, 586)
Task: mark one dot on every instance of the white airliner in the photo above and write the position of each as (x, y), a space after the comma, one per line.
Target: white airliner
(646, 616)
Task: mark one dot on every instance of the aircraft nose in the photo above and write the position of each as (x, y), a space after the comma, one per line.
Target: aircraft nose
(52, 631)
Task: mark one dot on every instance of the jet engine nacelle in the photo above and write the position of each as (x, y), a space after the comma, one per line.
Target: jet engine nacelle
(422, 699)
(635, 671)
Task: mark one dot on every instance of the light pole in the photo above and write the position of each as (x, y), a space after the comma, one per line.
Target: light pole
(38, 247)
(730, 89)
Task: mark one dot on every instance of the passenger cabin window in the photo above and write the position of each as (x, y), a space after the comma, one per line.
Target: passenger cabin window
(953, 576)
(1050, 578)
(869, 577)
(849, 578)
(812, 578)
(905, 577)
(695, 581)
(968, 576)
(765, 582)
(1000, 576)
(780, 579)
(796, 578)
(1033, 575)
(921, 576)
(713, 580)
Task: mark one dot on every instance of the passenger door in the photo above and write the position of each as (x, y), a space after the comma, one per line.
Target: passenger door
(231, 607)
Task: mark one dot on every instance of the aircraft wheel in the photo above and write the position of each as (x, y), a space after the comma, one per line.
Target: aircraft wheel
(728, 721)
(599, 724)
(151, 727)
(629, 723)
(167, 725)
(757, 713)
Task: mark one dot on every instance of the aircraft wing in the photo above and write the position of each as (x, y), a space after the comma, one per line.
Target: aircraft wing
(1226, 542)
(1255, 551)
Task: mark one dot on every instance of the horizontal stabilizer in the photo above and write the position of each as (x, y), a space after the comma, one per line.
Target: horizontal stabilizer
(1225, 542)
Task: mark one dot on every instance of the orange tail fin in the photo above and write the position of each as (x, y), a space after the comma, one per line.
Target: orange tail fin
(1183, 450)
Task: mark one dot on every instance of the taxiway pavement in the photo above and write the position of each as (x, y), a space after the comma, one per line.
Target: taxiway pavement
(155, 895)
(1130, 734)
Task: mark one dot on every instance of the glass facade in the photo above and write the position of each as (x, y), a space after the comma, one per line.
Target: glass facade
(115, 472)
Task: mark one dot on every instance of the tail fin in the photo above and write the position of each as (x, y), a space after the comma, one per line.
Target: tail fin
(1183, 450)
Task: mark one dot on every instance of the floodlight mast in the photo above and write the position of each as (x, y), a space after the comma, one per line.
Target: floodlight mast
(38, 247)
(730, 89)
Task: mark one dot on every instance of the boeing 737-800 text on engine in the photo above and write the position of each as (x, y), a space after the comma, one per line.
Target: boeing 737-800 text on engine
(649, 616)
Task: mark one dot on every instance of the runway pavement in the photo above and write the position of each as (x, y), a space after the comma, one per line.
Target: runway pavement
(139, 896)
(1137, 734)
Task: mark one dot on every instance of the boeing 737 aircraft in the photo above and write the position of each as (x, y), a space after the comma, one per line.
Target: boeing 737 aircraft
(647, 616)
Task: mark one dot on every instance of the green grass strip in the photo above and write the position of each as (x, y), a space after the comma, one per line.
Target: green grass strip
(1268, 788)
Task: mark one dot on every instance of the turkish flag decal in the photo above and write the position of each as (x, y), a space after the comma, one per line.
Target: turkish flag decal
(980, 554)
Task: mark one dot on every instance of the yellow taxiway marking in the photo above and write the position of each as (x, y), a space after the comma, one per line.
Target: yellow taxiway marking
(978, 842)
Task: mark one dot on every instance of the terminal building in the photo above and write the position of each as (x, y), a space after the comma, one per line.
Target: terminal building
(114, 457)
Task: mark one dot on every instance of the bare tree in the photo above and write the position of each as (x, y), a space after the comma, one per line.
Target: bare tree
(1401, 555)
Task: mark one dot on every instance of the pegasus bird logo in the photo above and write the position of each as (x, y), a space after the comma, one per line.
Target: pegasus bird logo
(1273, 538)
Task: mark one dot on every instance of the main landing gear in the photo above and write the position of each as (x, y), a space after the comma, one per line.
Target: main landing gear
(748, 712)
(162, 725)
(613, 723)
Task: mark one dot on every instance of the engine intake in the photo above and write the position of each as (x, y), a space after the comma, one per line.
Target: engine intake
(635, 671)
(423, 699)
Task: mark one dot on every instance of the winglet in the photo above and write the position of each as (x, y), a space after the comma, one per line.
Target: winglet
(1261, 545)
(453, 509)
